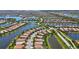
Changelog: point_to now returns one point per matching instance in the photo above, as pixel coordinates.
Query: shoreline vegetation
(46, 27)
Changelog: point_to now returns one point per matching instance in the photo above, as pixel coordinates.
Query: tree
(11, 19)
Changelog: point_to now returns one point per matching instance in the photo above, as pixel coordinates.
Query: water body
(54, 43)
(74, 36)
(16, 17)
(5, 25)
(70, 15)
(4, 41)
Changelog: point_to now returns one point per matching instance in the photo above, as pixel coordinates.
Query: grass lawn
(64, 46)
(46, 43)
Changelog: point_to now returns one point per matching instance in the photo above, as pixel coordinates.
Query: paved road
(69, 40)
(64, 40)
(30, 41)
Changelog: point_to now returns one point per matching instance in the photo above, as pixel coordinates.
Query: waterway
(7, 24)
(54, 43)
(16, 17)
(5, 40)
(73, 35)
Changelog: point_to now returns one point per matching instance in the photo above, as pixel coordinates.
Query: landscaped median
(68, 39)
(64, 46)
(64, 40)
(60, 41)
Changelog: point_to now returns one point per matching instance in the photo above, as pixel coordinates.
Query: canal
(73, 35)
(54, 42)
(5, 40)
(7, 24)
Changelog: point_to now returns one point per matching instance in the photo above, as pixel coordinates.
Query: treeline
(11, 19)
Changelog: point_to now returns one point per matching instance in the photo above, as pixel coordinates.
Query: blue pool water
(4, 41)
